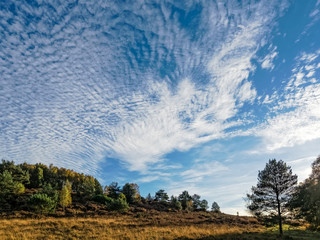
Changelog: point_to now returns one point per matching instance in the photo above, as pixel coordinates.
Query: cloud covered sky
(180, 95)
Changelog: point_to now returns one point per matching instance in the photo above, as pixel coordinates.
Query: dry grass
(102, 229)
(137, 226)
(146, 225)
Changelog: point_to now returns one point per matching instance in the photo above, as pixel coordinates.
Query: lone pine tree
(273, 191)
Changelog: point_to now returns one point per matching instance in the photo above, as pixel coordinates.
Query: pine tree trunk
(279, 215)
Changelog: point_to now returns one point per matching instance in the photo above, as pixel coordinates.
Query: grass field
(145, 226)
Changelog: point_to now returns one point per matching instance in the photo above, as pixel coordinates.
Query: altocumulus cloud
(85, 81)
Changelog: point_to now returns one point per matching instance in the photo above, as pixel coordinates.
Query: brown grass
(135, 226)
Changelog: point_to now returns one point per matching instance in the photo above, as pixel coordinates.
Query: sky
(174, 95)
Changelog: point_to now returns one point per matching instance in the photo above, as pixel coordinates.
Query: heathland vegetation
(38, 201)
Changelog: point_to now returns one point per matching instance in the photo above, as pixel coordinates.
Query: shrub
(100, 198)
(119, 204)
(175, 203)
(41, 203)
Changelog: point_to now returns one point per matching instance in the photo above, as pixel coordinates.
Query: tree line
(42, 189)
(278, 197)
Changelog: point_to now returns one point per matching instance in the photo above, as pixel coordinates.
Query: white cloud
(297, 118)
(125, 89)
(147, 179)
(314, 13)
(267, 62)
(199, 170)
(302, 167)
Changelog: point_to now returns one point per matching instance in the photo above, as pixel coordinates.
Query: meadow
(146, 225)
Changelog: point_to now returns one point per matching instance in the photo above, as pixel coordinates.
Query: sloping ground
(147, 225)
(140, 223)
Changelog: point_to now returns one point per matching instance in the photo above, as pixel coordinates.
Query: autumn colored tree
(65, 195)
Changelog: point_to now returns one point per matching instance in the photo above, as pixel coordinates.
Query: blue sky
(179, 95)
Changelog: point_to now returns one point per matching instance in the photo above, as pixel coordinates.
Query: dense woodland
(41, 189)
(44, 190)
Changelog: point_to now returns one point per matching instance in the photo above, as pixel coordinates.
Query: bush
(118, 205)
(175, 203)
(100, 198)
(41, 203)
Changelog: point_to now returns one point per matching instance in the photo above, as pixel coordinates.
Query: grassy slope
(144, 225)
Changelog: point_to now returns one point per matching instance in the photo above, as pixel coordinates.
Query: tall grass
(108, 228)
(143, 227)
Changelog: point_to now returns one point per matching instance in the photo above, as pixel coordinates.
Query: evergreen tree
(41, 203)
(16, 171)
(306, 200)
(149, 198)
(6, 190)
(175, 203)
(113, 190)
(98, 187)
(36, 178)
(161, 196)
(196, 201)
(50, 192)
(273, 192)
(215, 207)
(184, 198)
(203, 206)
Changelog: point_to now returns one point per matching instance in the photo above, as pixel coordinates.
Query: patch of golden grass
(112, 227)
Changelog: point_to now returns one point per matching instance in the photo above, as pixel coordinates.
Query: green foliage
(18, 188)
(149, 198)
(196, 201)
(65, 195)
(6, 190)
(9, 190)
(131, 191)
(161, 196)
(215, 207)
(98, 188)
(184, 198)
(41, 203)
(175, 203)
(6, 183)
(50, 191)
(120, 204)
(113, 190)
(36, 178)
(87, 187)
(17, 173)
(100, 198)
(203, 205)
(306, 200)
(275, 187)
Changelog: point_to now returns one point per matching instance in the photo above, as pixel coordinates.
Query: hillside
(146, 224)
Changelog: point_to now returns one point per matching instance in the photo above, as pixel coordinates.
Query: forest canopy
(44, 189)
